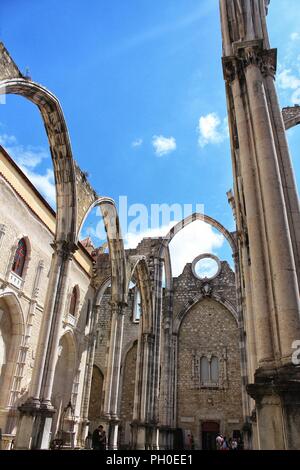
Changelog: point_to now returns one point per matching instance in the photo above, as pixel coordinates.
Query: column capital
(64, 248)
(246, 54)
(117, 307)
(284, 381)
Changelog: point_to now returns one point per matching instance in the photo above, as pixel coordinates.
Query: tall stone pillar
(268, 226)
(37, 412)
(112, 383)
(88, 376)
(142, 423)
(168, 382)
(155, 397)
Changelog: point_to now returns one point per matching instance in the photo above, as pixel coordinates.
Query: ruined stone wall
(207, 329)
(17, 220)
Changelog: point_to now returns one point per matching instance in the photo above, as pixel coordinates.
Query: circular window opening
(206, 267)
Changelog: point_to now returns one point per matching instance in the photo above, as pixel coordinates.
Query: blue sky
(140, 83)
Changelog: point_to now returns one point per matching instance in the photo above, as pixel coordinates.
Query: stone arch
(291, 116)
(64, 376)
(141, 271)
(164, 247)
(115, 246)
(101, 290)
(190, 304)
(95, 400)
(10, 304)
(60, 148)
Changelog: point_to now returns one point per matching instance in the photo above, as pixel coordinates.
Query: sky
(141, 87)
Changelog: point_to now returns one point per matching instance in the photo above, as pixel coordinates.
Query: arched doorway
(11, 334)
(94, 414)
(209, 432)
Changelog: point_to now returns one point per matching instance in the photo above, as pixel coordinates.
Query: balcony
(15, 280)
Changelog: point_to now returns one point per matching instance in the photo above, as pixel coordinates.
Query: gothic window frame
(207, 381)
(20, 258)
(137, 305)
(74, 302)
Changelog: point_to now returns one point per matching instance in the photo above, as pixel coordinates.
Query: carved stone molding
(249, 53)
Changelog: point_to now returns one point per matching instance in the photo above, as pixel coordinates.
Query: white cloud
(28, 158)
(287, 80)
(191, 241)
(137, 143)
(44, 183)
(295, 98)
(295, 36)
(212, 130)
(163, 145)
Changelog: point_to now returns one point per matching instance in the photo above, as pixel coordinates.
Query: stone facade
(170, 356)
(206, 328)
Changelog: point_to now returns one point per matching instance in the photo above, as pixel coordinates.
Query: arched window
(19, 259)
(73, 302)
(214, 369)
(209, 371)
(137, 310)
(204, 370)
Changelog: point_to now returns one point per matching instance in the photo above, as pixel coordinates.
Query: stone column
(88, 375)
(113, 374)
(142, 424)
(36, 413)
(155, 373)
(266, 195)
(167, 374)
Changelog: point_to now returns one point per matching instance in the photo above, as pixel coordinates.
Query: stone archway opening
(11, 337)
(95, 405)
(63, 383)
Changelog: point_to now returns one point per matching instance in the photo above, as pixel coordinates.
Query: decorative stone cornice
(246, 54)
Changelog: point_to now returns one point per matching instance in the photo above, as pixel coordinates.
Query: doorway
(209, 430)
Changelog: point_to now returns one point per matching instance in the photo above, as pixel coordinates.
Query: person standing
(96, 438)
(234, 444)
(219, 441)
(103, 440)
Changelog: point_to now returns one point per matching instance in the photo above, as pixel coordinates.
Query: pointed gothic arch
(60, 148)
(141, 272)
(11, 309)
(164, 247)
(115, 246)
